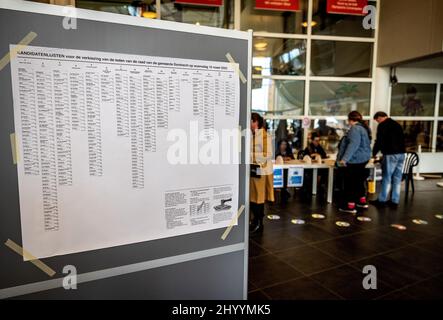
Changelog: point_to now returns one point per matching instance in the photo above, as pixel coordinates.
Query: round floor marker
(439, 216)
(318, 216)
(273, 217)
(298, 221)
(364, 219)
(398, 227)
(343, 224)
(420, 222)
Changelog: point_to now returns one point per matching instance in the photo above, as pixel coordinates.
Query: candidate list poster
(93, 133)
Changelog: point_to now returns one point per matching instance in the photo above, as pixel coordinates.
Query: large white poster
(113, 148)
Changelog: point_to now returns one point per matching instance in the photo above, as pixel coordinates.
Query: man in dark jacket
(315, 147)
(391, 143)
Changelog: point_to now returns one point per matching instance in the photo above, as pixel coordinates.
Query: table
(315, 167)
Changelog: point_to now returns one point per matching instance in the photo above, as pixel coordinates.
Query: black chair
(411, 161)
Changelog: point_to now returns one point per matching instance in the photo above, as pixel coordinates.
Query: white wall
(430, 162)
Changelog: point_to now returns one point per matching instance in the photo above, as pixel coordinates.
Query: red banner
(209, 3)
(354, 7)
(278, 5)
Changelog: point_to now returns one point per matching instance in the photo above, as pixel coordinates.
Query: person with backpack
(353, 156)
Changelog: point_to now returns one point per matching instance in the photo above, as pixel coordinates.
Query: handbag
(255, 171)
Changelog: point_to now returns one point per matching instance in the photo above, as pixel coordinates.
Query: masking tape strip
(236, 67)
(28, 256)
(14, 149)
(233, 221)
(20, 46)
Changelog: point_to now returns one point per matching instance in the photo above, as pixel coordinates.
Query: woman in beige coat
(261, 185)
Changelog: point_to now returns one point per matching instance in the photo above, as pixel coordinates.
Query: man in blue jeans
(391, 142)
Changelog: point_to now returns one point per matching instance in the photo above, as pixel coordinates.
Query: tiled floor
(320, 261)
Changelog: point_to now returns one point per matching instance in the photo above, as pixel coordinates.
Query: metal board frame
(189, 255)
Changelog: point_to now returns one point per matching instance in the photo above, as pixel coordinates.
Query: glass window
(418, 133)
(341, 58)
(273, 21)
(339, 98)
(440, 137)
(330, 131)
(275, 56)
(337, 24)
(220, 17)
(413, 100)
(287, 129)
(278, 96)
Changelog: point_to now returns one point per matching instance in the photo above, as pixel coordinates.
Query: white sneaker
(347, 210)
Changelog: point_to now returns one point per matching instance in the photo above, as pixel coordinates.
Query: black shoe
(252, 225)
(256, 228)
(392, 205)
(378, 204)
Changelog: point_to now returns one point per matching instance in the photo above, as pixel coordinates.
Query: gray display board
(195, 266)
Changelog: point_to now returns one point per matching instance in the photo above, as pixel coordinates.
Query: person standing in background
(354, 154)
(391, 142)
(281, 133)
(411, 104)
(261, 185)
(284, 152)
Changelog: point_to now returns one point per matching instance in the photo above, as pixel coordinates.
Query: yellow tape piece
(236, 67)
(28, 256)
(20, 46)
(14, 149)
(233, 221)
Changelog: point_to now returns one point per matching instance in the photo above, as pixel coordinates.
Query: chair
(411, 161)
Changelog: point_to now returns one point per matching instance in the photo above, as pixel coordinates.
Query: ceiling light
(260, 45)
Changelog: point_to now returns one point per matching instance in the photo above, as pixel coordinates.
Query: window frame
(309, 37)
(436, 118)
